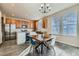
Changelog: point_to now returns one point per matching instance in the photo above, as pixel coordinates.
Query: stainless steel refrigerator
(10, 32)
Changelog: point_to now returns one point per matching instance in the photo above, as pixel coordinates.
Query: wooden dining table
(42, 43)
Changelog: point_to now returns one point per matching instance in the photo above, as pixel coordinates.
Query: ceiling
(30, 10)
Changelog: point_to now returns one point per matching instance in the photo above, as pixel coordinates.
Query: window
(55, 25)
(39, 24)
(69, 24)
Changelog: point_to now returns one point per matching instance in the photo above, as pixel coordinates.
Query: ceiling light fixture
(45, 8)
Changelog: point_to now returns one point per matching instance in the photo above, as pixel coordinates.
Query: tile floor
(60, 50)
(10, 48)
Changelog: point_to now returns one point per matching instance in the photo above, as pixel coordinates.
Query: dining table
(41, 39)
(43, 42)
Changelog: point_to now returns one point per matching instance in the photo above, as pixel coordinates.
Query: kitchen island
(21, 37)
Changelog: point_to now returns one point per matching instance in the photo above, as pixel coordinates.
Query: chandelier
(45, 8)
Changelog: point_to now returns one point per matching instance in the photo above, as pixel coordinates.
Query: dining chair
(52, 43)
(35, 42)
(32, 43)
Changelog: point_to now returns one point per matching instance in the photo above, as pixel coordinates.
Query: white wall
(0, 30)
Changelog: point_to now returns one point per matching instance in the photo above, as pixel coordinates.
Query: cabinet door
(18, 23)
(21, 38)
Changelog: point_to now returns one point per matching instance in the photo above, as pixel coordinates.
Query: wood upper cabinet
(44, 22)
(13, 21)
(8, 21)
(29, 24)
(19, 23)
(35, 24)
